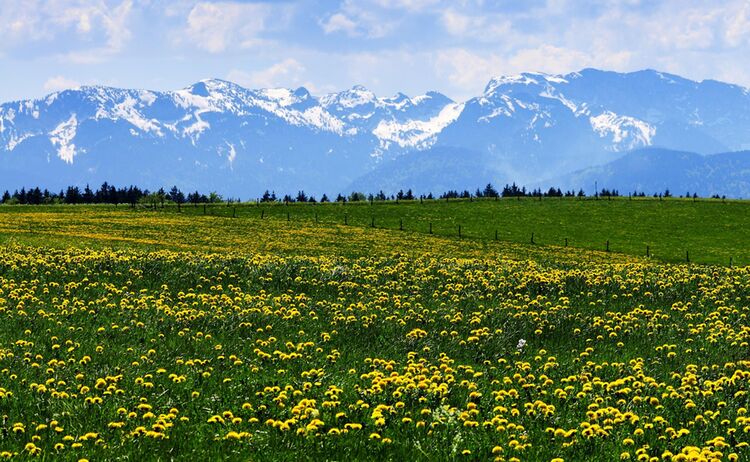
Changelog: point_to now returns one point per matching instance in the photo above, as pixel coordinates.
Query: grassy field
(710, 231)
(158, 335)
(706, 231)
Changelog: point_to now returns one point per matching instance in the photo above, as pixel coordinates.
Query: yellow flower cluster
(135, 353)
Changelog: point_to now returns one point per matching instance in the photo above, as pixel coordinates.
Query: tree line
(132, 195)
(106, 194)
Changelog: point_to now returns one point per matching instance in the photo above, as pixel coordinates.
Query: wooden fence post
(607, 245)
(532, 238)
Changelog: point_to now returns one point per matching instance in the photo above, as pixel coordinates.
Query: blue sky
(387, 45)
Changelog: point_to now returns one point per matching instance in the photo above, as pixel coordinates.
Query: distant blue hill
(654, 170)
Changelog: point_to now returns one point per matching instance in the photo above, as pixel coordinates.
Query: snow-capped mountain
(218, 135)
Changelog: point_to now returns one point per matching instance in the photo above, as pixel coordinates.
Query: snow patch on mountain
(10, 115)
(62, 138)
(281, 96)
(507, 109)
(148, 98)
(551, 93)
(349, 99)
(321, 119)
(516, 79)
(665, 77)
(419, 134)
(126, 110)
(626, 132)
(194, 130)
(398, 102)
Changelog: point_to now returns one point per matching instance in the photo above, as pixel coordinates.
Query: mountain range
(567, 130)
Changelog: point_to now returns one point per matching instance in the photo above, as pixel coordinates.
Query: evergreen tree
(73, 195)
(175, 195)
(490, 191)
(88, 195)
(357, 197)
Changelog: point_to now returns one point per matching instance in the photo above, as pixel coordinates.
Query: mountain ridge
(215, 134)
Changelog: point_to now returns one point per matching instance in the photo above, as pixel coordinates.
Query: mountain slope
(653, 170)
(218, 135)
(439, 169)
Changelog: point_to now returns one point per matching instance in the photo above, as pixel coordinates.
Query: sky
(389, 46)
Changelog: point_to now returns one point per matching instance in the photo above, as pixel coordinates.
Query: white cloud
(737, 30)
(339, 22)
(29, 21)
(360, 19)
(115, 26)
(286, 73)
(60, 82)
(454, 46)
(466, 70)
(215, 27)
(553, 59)
(481, 27)
(410, 5)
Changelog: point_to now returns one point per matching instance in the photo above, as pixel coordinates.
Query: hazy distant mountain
(217, 135)
(653, 170)
(438, 169)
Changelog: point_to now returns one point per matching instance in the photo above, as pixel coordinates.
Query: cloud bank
(387, 45)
